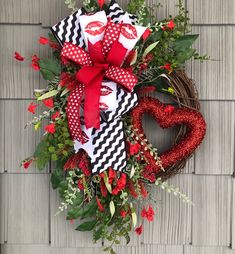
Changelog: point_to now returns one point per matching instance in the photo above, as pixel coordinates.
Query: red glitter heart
(193, 120)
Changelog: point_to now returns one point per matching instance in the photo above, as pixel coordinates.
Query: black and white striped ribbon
(69, 29)
(125, 102)
(109, 147)
(115, 12)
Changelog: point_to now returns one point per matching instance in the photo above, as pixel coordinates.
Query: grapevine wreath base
(104, 62)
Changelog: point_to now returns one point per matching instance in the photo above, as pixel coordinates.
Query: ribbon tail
(109, 147)
(92, 103)
(73, 113)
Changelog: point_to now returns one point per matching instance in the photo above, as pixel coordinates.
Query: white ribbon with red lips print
(93, 28)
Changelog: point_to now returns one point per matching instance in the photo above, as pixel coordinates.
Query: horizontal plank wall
(27, 201)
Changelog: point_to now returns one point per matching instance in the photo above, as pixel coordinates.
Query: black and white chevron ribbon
(125, 102)
(69, 29)
(108, 141)
(109, 147)
(115, 12)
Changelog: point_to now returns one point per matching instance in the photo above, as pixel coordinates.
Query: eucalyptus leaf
(107, 184)
(65, 91)
(134, 218)
(150, 48)
(112, 208)
(48, 95)
(134, 58)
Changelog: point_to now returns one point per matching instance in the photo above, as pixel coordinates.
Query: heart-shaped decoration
(193, 120)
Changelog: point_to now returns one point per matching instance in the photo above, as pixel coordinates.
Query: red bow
(103, 60)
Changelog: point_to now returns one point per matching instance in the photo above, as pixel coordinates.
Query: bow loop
(76, 54)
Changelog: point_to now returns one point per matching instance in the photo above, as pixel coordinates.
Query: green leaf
(51, 64)
(48, 95)
(79, 199)
(185, 42)
(37, 126)
(97, 234)
(62, 188)
(87, 211)
(47, 75)
(73, 214)
(87, 226)
(56, 178)
(150, 48)
(51, 149)
(41, 154)
(112, 208)
(54, 157)
(41, 148)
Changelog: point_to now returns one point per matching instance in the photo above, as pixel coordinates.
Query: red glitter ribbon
(103, 60)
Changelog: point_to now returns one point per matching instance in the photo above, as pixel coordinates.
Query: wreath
(105, 64)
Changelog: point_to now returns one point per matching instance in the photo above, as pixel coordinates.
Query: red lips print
(129, 31)
(95, 28)
(103, 106)
(105, 90)
(85, 137)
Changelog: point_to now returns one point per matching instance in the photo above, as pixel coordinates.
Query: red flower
(169, 109)
(80, 184)
(143, 191)
(43, 40)
(64, 61)
(50, 128)
(123, 213)
(32, 107)
(27, 163)
(103, 188)
(130, 57)
(146, 34)
(54, 45)
(100, 206)
(71, 163)
(18, 57)
(66, 80)
(167, 67)
(121, 183)
(48, 102)
(171, 24)
(34, 63)
(148, 214)
(149, 176)
(134, 148)
(147, 89)
(71, 85)
(55, 115)
(131, 189)
(112, 175)
(100, 3)
(84, 165)
(139, 230)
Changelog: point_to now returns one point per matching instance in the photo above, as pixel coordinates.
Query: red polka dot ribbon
(103, 61)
